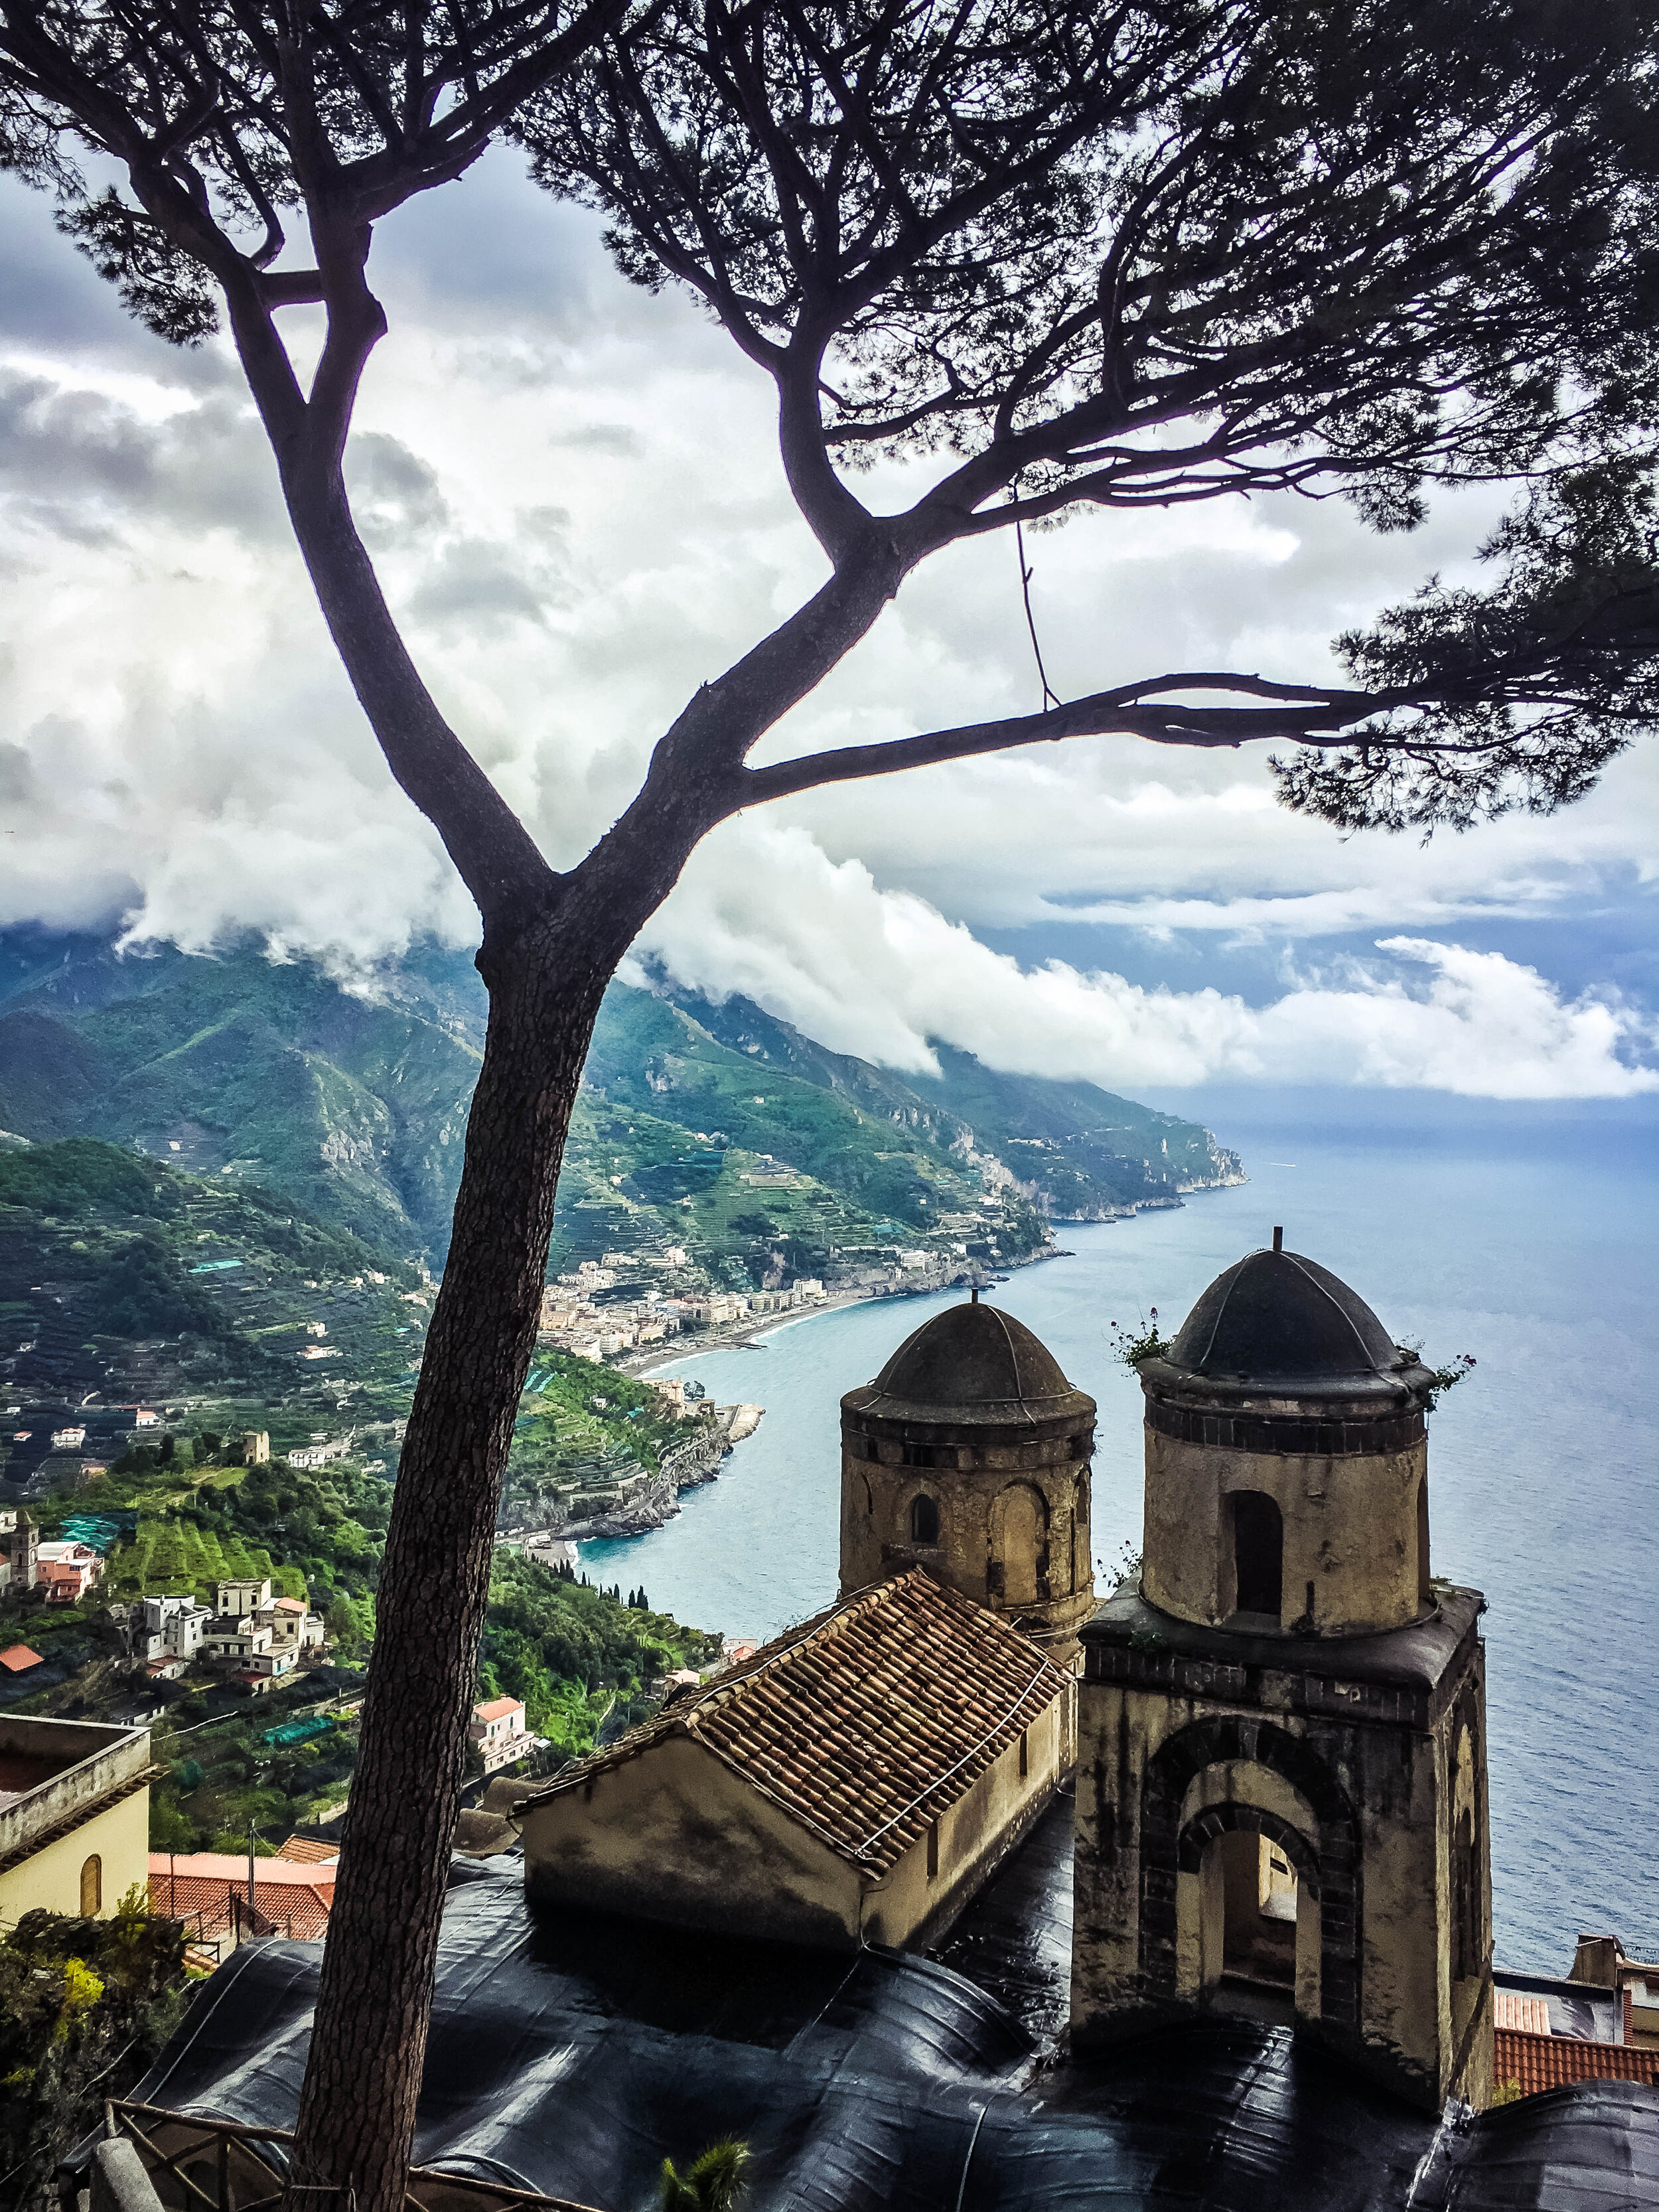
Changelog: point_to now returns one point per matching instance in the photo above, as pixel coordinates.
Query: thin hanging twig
(1050, 697)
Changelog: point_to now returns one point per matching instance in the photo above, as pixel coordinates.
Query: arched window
(1258, 1553)
(92, 1887)
(924, 1520)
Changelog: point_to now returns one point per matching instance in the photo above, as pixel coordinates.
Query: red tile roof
(866, 1723)
(1510, 2008)
(295, 1901)
(17, 1657)
(309, 1849)
(1537, 2062)
(497, 1709)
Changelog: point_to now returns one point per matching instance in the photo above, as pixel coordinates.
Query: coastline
(748, 1333)
(736, 1336)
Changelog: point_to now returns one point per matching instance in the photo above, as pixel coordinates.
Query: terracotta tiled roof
(283, 1896)
(1537, 2062)
(232, 1866)
(497, 1709)
(17, 1657)
(866, 1723)
(309, 1849)
(1512, 2009)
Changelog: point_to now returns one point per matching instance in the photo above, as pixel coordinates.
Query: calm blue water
(1530, 1243)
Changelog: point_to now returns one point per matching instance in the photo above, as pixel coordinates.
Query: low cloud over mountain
(570, 489)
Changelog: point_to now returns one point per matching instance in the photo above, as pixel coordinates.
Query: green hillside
(582, 1659)
(1081, 1152)
(126, 1283)
(273, 1077)
(219, 1309)
(653, 1058)
(269, 1074)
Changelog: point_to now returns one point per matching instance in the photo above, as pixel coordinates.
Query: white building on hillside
(173, 1629)
(236, 1599)
(497, 1733)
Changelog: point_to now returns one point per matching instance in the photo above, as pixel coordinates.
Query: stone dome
(973, 1363)
(1287, 1459)
(1281, 1319)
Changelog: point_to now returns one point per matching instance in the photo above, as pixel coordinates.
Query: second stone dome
(968, 1456)
(972, 1364)
(1279, 1318)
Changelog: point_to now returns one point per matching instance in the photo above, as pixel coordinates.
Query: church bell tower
(1282, 1764)
(969, 1455)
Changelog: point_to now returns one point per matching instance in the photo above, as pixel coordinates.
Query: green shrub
(84, 2006)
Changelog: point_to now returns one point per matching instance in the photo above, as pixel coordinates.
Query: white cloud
(762, 911)
(572, 493)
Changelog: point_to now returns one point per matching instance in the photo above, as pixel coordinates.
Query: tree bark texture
(551, 944)
(357, 2110)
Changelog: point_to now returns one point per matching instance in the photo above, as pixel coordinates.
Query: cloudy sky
(573, 496)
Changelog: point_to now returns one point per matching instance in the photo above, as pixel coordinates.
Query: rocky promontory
(635, 1499)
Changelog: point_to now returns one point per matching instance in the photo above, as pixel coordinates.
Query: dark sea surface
(1527, 1237)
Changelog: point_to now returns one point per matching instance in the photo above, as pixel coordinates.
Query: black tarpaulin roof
(572, 2058)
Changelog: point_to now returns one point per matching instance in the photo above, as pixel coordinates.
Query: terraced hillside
(1080, 1152)
(126, 1287)
(354, 1106)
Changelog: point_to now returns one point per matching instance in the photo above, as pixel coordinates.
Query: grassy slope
(1082, 1148)
(356, 1108)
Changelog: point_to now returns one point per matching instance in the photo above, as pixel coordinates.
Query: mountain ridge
(353, 1101)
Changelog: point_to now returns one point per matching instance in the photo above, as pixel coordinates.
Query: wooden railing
(219, 2165)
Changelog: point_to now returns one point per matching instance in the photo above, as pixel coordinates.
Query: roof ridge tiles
(839, 1723)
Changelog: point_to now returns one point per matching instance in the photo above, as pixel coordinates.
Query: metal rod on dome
(1278, 1240)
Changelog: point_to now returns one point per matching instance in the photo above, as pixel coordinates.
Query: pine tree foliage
(1531, 687)
(1136, 257)
(712, 2182)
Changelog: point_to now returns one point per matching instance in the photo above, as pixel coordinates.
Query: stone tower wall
(1374, 1791)
(1351, 1526)
(1013, 1517)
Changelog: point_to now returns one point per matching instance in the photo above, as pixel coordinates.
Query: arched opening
(924, 1519)
(1320, 1842)
(1250, 1896)
(92, 1887)
(1467, 1948)
(1424, 1595)
(1465, 1913)
(1258, 1553)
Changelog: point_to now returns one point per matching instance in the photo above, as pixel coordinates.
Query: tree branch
(292, 288)
(1126, 711)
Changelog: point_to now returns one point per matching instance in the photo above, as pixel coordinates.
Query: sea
(1526, 1237)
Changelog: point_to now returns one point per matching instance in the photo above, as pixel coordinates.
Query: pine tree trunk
(357, 2109)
